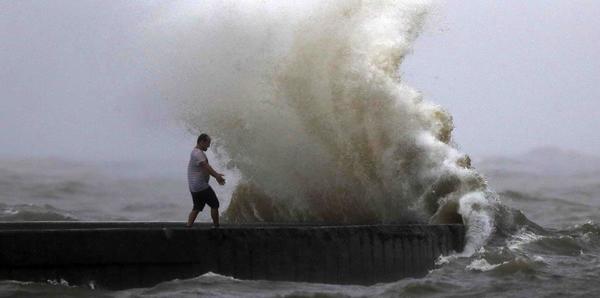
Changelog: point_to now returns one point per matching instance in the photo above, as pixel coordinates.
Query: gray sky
(514, 74)
(74, 83)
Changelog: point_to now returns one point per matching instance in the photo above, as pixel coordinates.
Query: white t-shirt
(197, 176)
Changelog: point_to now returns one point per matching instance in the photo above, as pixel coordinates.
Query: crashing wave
(308, 104)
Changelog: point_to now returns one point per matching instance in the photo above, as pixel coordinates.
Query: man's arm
(212, 172)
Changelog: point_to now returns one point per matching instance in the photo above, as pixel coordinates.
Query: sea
(313, 121)
(555, 252)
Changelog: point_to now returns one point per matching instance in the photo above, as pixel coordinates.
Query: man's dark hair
(202, 138)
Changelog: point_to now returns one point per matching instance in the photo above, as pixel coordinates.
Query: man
(199, 172)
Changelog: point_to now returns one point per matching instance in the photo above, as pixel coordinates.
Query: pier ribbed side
(124, 255)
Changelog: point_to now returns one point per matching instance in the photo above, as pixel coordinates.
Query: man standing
(199, 172)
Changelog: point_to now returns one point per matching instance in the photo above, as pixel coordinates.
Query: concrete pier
(117, 255)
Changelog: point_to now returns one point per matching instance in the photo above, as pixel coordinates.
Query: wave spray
(308, 104)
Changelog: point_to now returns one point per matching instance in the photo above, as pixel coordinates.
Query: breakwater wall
(129, 254)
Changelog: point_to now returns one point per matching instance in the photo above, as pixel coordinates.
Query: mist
(78, 79)
(75, 85)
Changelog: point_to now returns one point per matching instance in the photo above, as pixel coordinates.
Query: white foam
(523, 237)
(443, 260)
(478, 213)
(481, 265)
(60, 282)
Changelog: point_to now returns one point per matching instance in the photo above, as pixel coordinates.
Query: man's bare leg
(192, 217)
(214, 213)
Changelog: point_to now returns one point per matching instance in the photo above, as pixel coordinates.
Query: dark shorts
(207, 197)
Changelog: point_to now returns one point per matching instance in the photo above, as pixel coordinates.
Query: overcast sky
(514, 74)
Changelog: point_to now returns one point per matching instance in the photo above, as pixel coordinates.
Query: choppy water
(59, 190)
(557, 253)
(307, 105)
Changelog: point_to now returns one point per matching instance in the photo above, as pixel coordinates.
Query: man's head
(203, 142)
